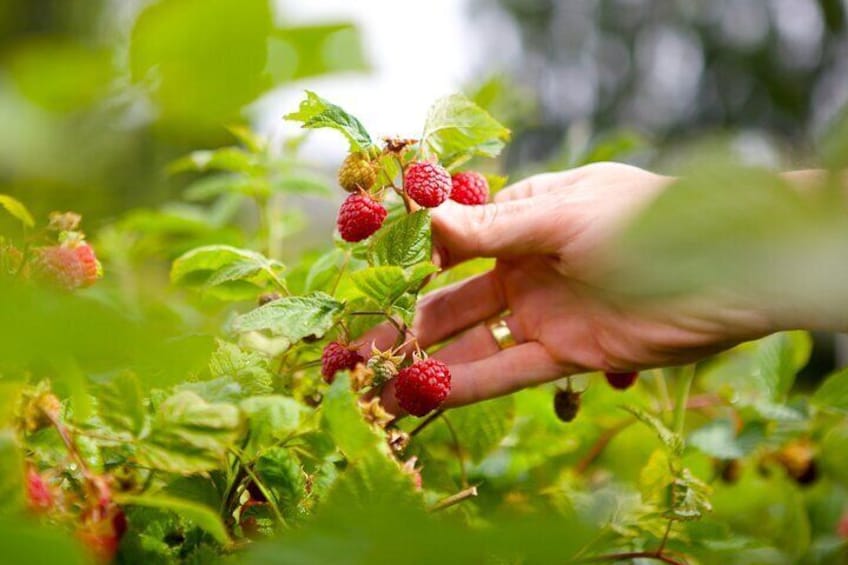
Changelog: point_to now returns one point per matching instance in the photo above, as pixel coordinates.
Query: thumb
(505, 229)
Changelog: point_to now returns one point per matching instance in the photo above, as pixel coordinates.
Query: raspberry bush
(229, 409)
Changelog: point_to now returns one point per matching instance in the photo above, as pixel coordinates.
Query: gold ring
(502, 334)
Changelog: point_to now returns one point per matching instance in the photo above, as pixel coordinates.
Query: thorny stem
(454, 499)
(685, 378)
(400, 329)
(262, 488)
(70, 445)
(459, 454)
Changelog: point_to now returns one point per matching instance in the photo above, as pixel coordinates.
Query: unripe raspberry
(359, 217)
(337, 357)
(621, 381)
(422, 386)
(428, 184)
(469, 188)
(357, 173)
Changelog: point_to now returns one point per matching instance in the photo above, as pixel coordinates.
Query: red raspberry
(469, 188)
(427, 183)
(621, 381)
(423, 386)
(337, 357)
(90, 265)
(359, 217)
(68, 267)
(39, 496)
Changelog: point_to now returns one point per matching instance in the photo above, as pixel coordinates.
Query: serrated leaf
(230, 159)
(403, 243)
(671, 440)
(481, 427)
(833, 392)
(655, 477)
(280, 472)
(457, 128)
(779, 358)
(690, 497)
(315, 112)
(17, 209)
(343, 420)
(270, 419)
(248, 368)
(386, 284)
(189, 435)
(199, 514)
(120, 402)
(240, 272)
(292, 317)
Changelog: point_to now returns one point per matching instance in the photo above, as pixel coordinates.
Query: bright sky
(418, 52)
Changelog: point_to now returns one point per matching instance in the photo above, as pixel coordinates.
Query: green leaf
(214, 185)
(120, 402)
(230, 159)
(292, 317)
(386, 284)
(17, 210)
(315, 112)
(779, 358)
(833, 392)
(344, 422)
(325, 270)
(199, 514)
(655, 478)
(238, 272)
(280, 472)
(29, 543)
(403, 243)
(481, 427)
(249, 369)
(11, 473)
(718, 439)
(189, 435)
(457, 128)
(672, 441)
(271, 419)
(301, 183)
(690, 497)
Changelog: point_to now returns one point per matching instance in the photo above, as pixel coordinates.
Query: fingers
(512, 228)
(535, 185)
(504, 372)
(476, 343)
(444, 313)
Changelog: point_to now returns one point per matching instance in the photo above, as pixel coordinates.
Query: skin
(547, 233)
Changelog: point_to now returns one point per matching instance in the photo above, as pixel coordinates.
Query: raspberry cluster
(424, 183)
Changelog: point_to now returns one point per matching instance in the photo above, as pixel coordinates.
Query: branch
(453, 499)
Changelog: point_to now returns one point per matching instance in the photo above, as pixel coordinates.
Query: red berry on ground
(337, 357)
(469, 188)
(38, 492)
(359, 217)
(422, 386)
(621, 381)
(428, 184)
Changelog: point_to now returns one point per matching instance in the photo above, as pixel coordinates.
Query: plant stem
(598, 447)
(685, 377)
(342, 270)
(453, 499)
(662, 390)
(665, 537)
(459, 454)
(427, 421)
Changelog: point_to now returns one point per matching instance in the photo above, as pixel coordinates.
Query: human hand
(549, 234)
